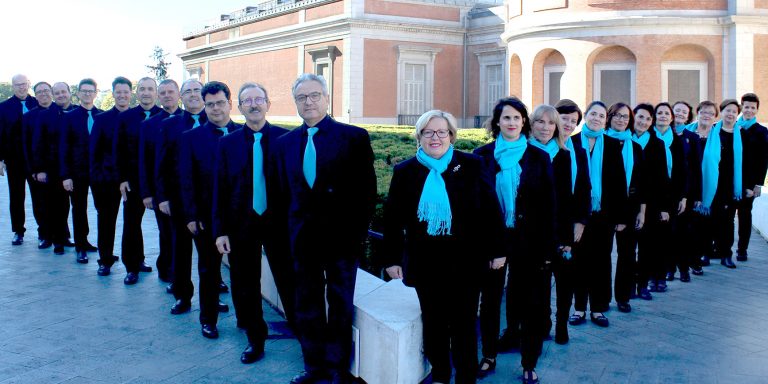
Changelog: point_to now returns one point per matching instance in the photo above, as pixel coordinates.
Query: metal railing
(407, 119)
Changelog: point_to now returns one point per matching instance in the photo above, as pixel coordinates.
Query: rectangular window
(495, 86)
(553, 76)
(684, 81)
(615, 86)
(414, 89)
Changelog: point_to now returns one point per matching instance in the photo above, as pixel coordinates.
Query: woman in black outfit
(442, 222)
(525, 190)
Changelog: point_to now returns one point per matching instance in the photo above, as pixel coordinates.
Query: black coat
(46, 139)
(665, 192)
(755, 144)
(149, 133)
(574, 204)
(101, 151)
(477, 226)
(692, 150)
(30, 125)
(11, 150)
(167, 156)
(126, 144)
(74, 144)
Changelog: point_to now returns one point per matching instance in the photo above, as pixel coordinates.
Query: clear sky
(64, 40)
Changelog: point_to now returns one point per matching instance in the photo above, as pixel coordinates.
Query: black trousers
(626, 264)
(592, 259)
(79, 199)
(165, 257)
(106, 198)
(745, 222)
(181, 263)
(449, 317)
(527, 309)
(40, 206)
(723, 217)
(564, 273)
(133, 239)
(17, 179)
(703, 240)
(656, 252)
(491, 291)
(58, 211)
(683, 254)
(209, 271)
(326, 341)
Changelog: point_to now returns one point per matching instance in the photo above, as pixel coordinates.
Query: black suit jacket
(197, 167)
(692, 151)
(30, 125)
(149, 132)
(477, 226)
(233, 188)
(574, 204)
(101, 153)
(167, 157)
(664, 192)
(46, 139)
(337, 211)
(11, 149)
(755, 155)
(126, 144)
(74, 144)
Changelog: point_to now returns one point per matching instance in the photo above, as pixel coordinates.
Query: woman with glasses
(525, 190)
(440, 203)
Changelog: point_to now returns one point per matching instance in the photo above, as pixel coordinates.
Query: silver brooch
(456, 168)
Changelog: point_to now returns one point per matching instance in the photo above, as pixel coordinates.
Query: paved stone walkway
(61, 323)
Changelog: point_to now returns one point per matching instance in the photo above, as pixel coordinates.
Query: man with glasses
(326, 189)
(126, 144)
(197, 152)
(74, 164)
(12, 151)
(45, 165)
(149, 130)
(36, 188)
(243, 222)
(103, 175)
(755, 139)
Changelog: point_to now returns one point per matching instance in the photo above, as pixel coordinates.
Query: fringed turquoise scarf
(434, 206)
(508, 155)
(627, 152)
(642, 139)
(595, 160)
(551, 147)
(572, 153)
(667, 138)
(710, 167)
(746, 124)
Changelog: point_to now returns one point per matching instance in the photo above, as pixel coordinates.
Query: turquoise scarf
(574, 166)
(642, 139)
(710, 167)
(746, 124)
(508, 155)
(551, 148)
(667, 138)
(434, 206)
(627, 152)
(690, 127)
(595, 160)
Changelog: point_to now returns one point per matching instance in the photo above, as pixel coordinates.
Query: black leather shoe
(624, 307)
(58, 249)
(131, 278)
(645, 294)
(306, 378)
(685, 277)
(18, 239)
(486, 367)
(82, 257)
(44, 244)
(705, 261)
(599, 320)
(697, 270)
(169, 288)
(577, 320)
(508, 341)
(727, 262)
(103, 270)
(528, 377)
(251, 354)
(69, 243)
(90, 248)
(670, 276)
(741, 256)
(662, 287)
(181, 306)
(340, 377)
(144, 267)
(223, 288)
(222, 307)
(210, 331)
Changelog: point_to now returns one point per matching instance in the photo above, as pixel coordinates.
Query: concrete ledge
(760, 215)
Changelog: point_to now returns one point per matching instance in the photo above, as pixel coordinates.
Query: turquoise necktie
(90, 122)
(223, 130)
(197, 121)
(310, 158)
(24, 107)
(146, 115)
(259, 183)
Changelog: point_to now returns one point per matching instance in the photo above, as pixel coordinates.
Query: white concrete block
(760, 215)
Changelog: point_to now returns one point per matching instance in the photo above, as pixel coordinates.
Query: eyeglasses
(21, 85)
(43, 92)
(621, 117)
(220, 104)
(428, 133)
(254, 101)
(87, 91)
(706, 113)
(191, 91)
(314, 96)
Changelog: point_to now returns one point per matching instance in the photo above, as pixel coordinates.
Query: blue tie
(259, 183)
(146, 115)
(24, 107)
(90, 122)
(310, 158)
(223, 130)
(197, 121)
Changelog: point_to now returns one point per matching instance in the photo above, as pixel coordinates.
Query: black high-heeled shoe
(528, 377)
(490, 365)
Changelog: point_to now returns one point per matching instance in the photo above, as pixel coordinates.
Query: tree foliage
(159, 65)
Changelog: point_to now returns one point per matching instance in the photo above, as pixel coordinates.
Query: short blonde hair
(424, 119)
(551, 112)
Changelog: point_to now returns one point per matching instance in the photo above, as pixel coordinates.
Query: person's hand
(620, 227)
(68, 185)
(757, 190)
(194, 228)
(664, 216)
(681, 206)
(165, 207)
(148, 203)
(578, 230)
(42, 177)
(222, 244)
(749, 193)
(498, 262)
(640, 220)
(124, 189)
(2, 168)
(395, 272)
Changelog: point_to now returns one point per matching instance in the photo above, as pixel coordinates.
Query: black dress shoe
(528, 377)
(599, 320)
(131, 278)
(181, 306)
(705, 261)
(210, 331)
(103, 270)
(670, 276)
(696, 270)
(44, 244)
(624, 307)
(58, 249)
(340, 377)
(306, 378)
(223, 288)
(169, 288)
(577, 319)
(222, 307)
(69, 243)
(685, 277)
(486, 367)
(661, 287)
(508, 341)
(90, 248)
(727, 262)
(251, 354)
(18, 239)
(645, 294)
(741, 256)
(82, 257)
(144, 267)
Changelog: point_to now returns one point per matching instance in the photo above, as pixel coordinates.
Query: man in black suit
(755, 152)
(12, 153)
(37, 190)
(44, 165)
(126, 144)
(326, 190)
(74, 167)
(197, 155)
(149, 130)
(168, 193)
(242, 222)
(103, 175)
